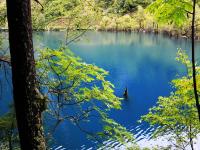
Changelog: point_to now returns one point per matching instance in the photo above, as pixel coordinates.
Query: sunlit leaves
(114, 130)
(171, 11)
(3, 14)
(87, 81)
(71, 15)
(122, 6)
(176, 115)
(72, 84)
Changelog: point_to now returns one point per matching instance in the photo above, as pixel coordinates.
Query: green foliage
(3, 14)
(140, 17)
(80, 14)
(114, 22)
(5, 122)
(176, 115)
(171, 11)
(78, 73)
(113, 130)
(59, 8)
(38, 16)
(122, 6)
(8, 133)
(137, 20)
(71, 83)
(67, 14)
(1, 41)
(90, 14)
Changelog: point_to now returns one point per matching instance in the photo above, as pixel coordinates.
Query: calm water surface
(144, 63)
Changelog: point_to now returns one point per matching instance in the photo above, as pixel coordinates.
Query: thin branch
(193, 60)
(5, 60)
(37, 1)
(191, 13)
(78, 36)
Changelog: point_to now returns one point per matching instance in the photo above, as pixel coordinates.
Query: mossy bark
(28, 112)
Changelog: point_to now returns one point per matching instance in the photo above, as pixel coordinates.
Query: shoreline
(170, 34)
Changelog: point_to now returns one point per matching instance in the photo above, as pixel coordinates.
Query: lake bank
(170, 34)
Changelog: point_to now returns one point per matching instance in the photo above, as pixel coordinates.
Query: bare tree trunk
(193, 59)
(190, 136)
(28, 112)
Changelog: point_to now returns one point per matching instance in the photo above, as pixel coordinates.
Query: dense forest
(52, 85)
(116, 15)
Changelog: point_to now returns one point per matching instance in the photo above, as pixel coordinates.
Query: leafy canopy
(71, 84)
(171, 11)
(176, 115)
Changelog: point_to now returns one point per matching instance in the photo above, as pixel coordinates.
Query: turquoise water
(144, 63)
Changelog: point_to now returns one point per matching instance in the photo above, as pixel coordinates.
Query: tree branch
(5, 60)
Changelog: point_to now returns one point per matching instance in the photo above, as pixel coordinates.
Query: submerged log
(126, 93)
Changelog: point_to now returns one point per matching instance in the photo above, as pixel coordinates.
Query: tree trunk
(27, 108)
(190, 136)
(193, 60)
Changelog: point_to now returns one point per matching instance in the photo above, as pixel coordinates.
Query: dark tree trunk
(27, 108)
(193, 60)
(190, 136)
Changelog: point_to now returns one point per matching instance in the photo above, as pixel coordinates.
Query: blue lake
(144, 63)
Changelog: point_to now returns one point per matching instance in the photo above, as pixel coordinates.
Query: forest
(99, 74)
